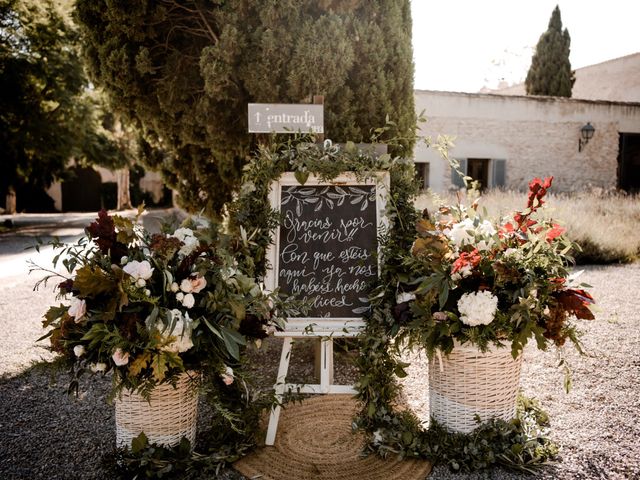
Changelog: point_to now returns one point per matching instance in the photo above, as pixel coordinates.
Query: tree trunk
(124, 197)
(10, 201)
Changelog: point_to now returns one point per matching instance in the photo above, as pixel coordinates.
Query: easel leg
(326, 364)
(279, 388)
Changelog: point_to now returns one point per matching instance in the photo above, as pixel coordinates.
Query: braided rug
(315, 441)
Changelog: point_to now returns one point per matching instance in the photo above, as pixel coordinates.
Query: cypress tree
(185, 71)
(550, 72)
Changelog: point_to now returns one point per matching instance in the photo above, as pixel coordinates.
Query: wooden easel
(326, 386)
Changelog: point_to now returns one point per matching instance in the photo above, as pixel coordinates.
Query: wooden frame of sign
(325, 251)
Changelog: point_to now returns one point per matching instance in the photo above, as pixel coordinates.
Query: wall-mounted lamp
(586, 133)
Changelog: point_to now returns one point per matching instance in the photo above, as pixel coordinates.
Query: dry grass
(605, 225)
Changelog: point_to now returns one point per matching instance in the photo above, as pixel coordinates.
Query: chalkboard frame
(323, 326)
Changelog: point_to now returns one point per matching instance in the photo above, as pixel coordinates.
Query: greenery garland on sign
(326, 160)
(520, 444)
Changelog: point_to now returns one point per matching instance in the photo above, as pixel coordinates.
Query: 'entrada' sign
(285, 118)
(326, 248)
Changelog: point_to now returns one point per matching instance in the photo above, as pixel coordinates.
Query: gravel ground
(44, 434)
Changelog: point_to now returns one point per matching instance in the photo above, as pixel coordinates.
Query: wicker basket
(168, 415)
(467, 383)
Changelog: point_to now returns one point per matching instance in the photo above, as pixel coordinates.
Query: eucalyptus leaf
(301, 177)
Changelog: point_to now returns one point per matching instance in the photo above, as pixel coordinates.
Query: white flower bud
(120, 358)
(124, 260)
(79, 350)
(141, 282)
(227, 376)
(175, 287)
(179, 296)
(98, 367)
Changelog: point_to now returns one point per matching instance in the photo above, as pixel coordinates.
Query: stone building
(504, 138)
(505, 141)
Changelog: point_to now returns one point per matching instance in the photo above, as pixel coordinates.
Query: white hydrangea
(477, 308)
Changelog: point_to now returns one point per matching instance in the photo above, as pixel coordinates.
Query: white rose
(174, 287)
(477, 308)
(79, 350)
(77, 309)
(179, 296)
(139, 270)
(185, 286)
(120, 358)
(188, 301)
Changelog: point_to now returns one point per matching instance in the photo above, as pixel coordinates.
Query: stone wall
(536, 136)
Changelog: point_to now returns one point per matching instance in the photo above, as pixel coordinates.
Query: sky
(465, 45)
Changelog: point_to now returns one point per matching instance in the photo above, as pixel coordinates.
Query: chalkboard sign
(325, 250)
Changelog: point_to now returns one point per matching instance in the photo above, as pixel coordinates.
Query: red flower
(554, 232)
(537, 190)
(466, 258)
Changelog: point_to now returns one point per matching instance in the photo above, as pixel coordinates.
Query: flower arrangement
(489, 283)
(149, 307)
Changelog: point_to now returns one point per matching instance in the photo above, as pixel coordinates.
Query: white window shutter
(498, 173)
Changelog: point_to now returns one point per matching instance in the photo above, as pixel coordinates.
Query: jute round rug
(315, 441)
